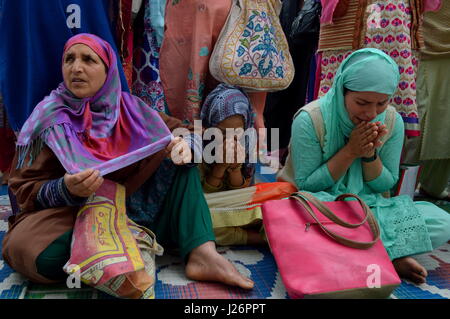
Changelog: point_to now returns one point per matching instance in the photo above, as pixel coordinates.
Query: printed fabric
(55, 194)
(387, 29)
(146, 79)
(191, 31)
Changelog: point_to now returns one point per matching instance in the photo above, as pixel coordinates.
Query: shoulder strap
(306, 200)
(390, 122)
(314, 112)
(286, 174)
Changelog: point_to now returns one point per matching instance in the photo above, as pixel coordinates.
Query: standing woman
(433, 98)
(191, 31)
(357, 154)
(391, 26)
(88, 121)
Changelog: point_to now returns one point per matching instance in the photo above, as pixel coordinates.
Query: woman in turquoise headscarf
(357, 150)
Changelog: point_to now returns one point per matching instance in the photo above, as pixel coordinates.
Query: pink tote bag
(328, 249)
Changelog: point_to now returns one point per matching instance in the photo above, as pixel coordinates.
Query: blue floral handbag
(252, 51)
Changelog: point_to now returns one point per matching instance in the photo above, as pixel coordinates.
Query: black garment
(289, 11)
(281, 106)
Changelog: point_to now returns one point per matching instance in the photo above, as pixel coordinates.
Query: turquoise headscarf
(365, 70)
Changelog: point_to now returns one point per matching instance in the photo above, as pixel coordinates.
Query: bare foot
(206, 264)
(409, 268)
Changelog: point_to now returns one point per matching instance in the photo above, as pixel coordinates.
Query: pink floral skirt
(387, 29)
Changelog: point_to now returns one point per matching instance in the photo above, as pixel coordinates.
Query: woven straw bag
(252, 51)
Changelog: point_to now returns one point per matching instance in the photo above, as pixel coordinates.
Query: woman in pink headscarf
(88, 130)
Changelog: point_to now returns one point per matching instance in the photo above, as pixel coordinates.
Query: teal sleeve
(390, 157)
(310, 171)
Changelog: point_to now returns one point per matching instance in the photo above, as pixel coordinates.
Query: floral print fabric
(387, 28)
(146, 80)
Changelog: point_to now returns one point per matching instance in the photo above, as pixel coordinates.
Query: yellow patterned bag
(252, 51)
(109, 251)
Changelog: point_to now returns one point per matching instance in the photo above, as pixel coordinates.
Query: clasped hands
(232, 154)
(365, 139)
(229, 157)
(87, 182)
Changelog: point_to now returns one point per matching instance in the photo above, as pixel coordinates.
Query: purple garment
(108, 131)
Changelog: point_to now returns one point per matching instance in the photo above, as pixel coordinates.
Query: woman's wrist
(235, 176)
(347, 151)
(372, 168)
(372, 156)
(234, 172)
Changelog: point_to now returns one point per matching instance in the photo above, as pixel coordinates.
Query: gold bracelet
(239, 186)
(217, 177)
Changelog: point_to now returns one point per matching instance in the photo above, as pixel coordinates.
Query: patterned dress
(146, 80)
(387, 25)
(191, 31)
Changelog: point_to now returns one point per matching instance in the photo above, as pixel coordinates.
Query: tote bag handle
(306, 199)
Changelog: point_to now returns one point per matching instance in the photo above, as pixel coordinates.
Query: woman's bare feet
(206, 264)
(409, 268)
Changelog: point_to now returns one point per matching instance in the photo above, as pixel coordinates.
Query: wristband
(370, 159)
